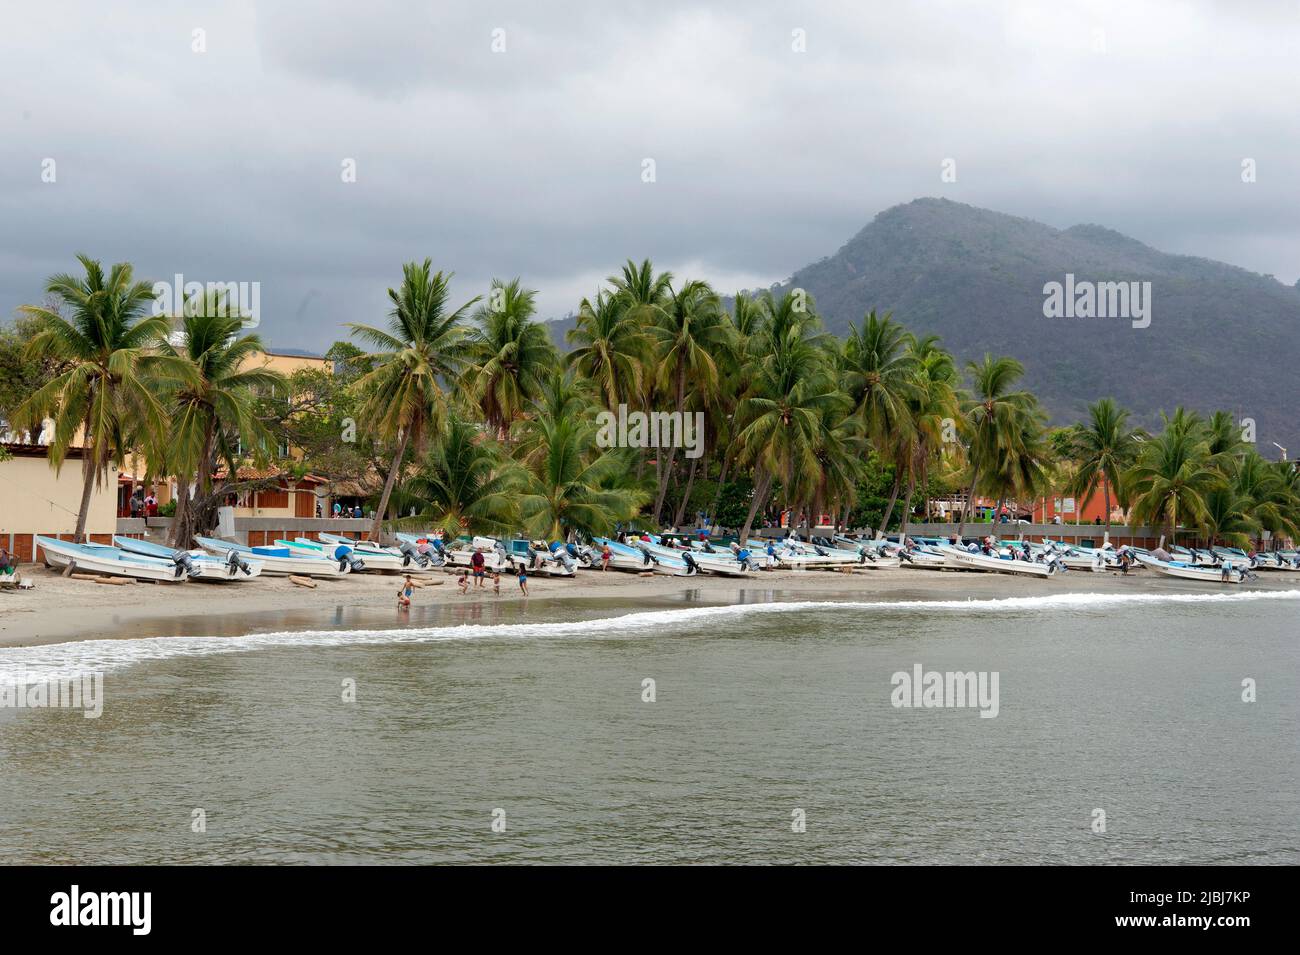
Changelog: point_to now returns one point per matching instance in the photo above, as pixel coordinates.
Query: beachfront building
(35, 499)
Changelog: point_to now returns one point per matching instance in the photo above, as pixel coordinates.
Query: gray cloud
(226, 164)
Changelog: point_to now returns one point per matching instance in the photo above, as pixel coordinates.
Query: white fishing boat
(373, 558)
(722, 561)
(959, 559)
(1277, 562)
(793, 556)
(108, 560)
(408, 554)
(340, 553)
(277, 561)
(460, 553)
(923, 558)
(198, 564)
(538, 559)
(1226, 574)
(640, 556)
(1091, 559)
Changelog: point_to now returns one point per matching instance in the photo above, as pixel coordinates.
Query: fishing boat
(959, 559)
(537, 558)
(714, 560)
(340, 553)
(642, 557)
(1073, 557)
(795, 556)
(371, 557)
(278, 561)
(198, 564)
(1226, 574)
(872, 554)
(408, 554)
(1278, 561)
(1235, 555)
(109, 560)
(460, 553)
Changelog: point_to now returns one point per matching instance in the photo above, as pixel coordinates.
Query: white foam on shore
(61, 660)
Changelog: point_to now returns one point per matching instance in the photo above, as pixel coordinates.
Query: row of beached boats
(335, 555)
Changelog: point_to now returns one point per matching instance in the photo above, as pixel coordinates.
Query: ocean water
(527, 735)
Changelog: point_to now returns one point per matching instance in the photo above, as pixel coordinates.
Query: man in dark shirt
(478, 562)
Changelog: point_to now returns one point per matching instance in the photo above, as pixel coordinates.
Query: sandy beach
(60, 609)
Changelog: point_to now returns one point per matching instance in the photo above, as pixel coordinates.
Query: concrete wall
(256, 531)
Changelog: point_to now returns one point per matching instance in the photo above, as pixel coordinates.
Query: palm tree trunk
(1107, 496)
(760, 492)
(89, 467)
(672, 451)
(970, 503)
(925, 490)
(889, 509)
(377, 528)
(182, 509)
(686, 495)
(907, 507)
(722, 480)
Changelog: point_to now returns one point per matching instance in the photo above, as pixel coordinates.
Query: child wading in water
(404, 595)
(496, 583)
(463, 582)
(523, 580)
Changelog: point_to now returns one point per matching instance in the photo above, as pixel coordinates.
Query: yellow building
(34, 499)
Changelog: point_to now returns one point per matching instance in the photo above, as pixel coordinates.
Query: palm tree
(1103, 450)
(572, 486)
(996, 420)
(690, 337)
(423, 345)
(466, 484)
(212, 403)
(932, 411)
(511, 353)
(642, 295)
(1227, 517)
(791, 395)
(610, 348)
(879, 374)
(1173, 474)
(1266, 486)
(106, 346)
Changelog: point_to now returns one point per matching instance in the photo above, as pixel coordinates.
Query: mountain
(1219, 337)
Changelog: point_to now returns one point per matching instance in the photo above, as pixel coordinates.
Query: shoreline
(63, 610)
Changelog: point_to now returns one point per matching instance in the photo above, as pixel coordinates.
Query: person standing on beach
(478, 563)
(496, 583)
(606, 555)
(523, 579)
(404, 595)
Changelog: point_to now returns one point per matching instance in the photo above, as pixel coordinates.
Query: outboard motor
(184, 564)
(347, 559)
(411, 555)
(236, 562)
(563, 557)
(690, 563)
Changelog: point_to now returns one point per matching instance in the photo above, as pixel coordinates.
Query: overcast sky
(227, 164)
